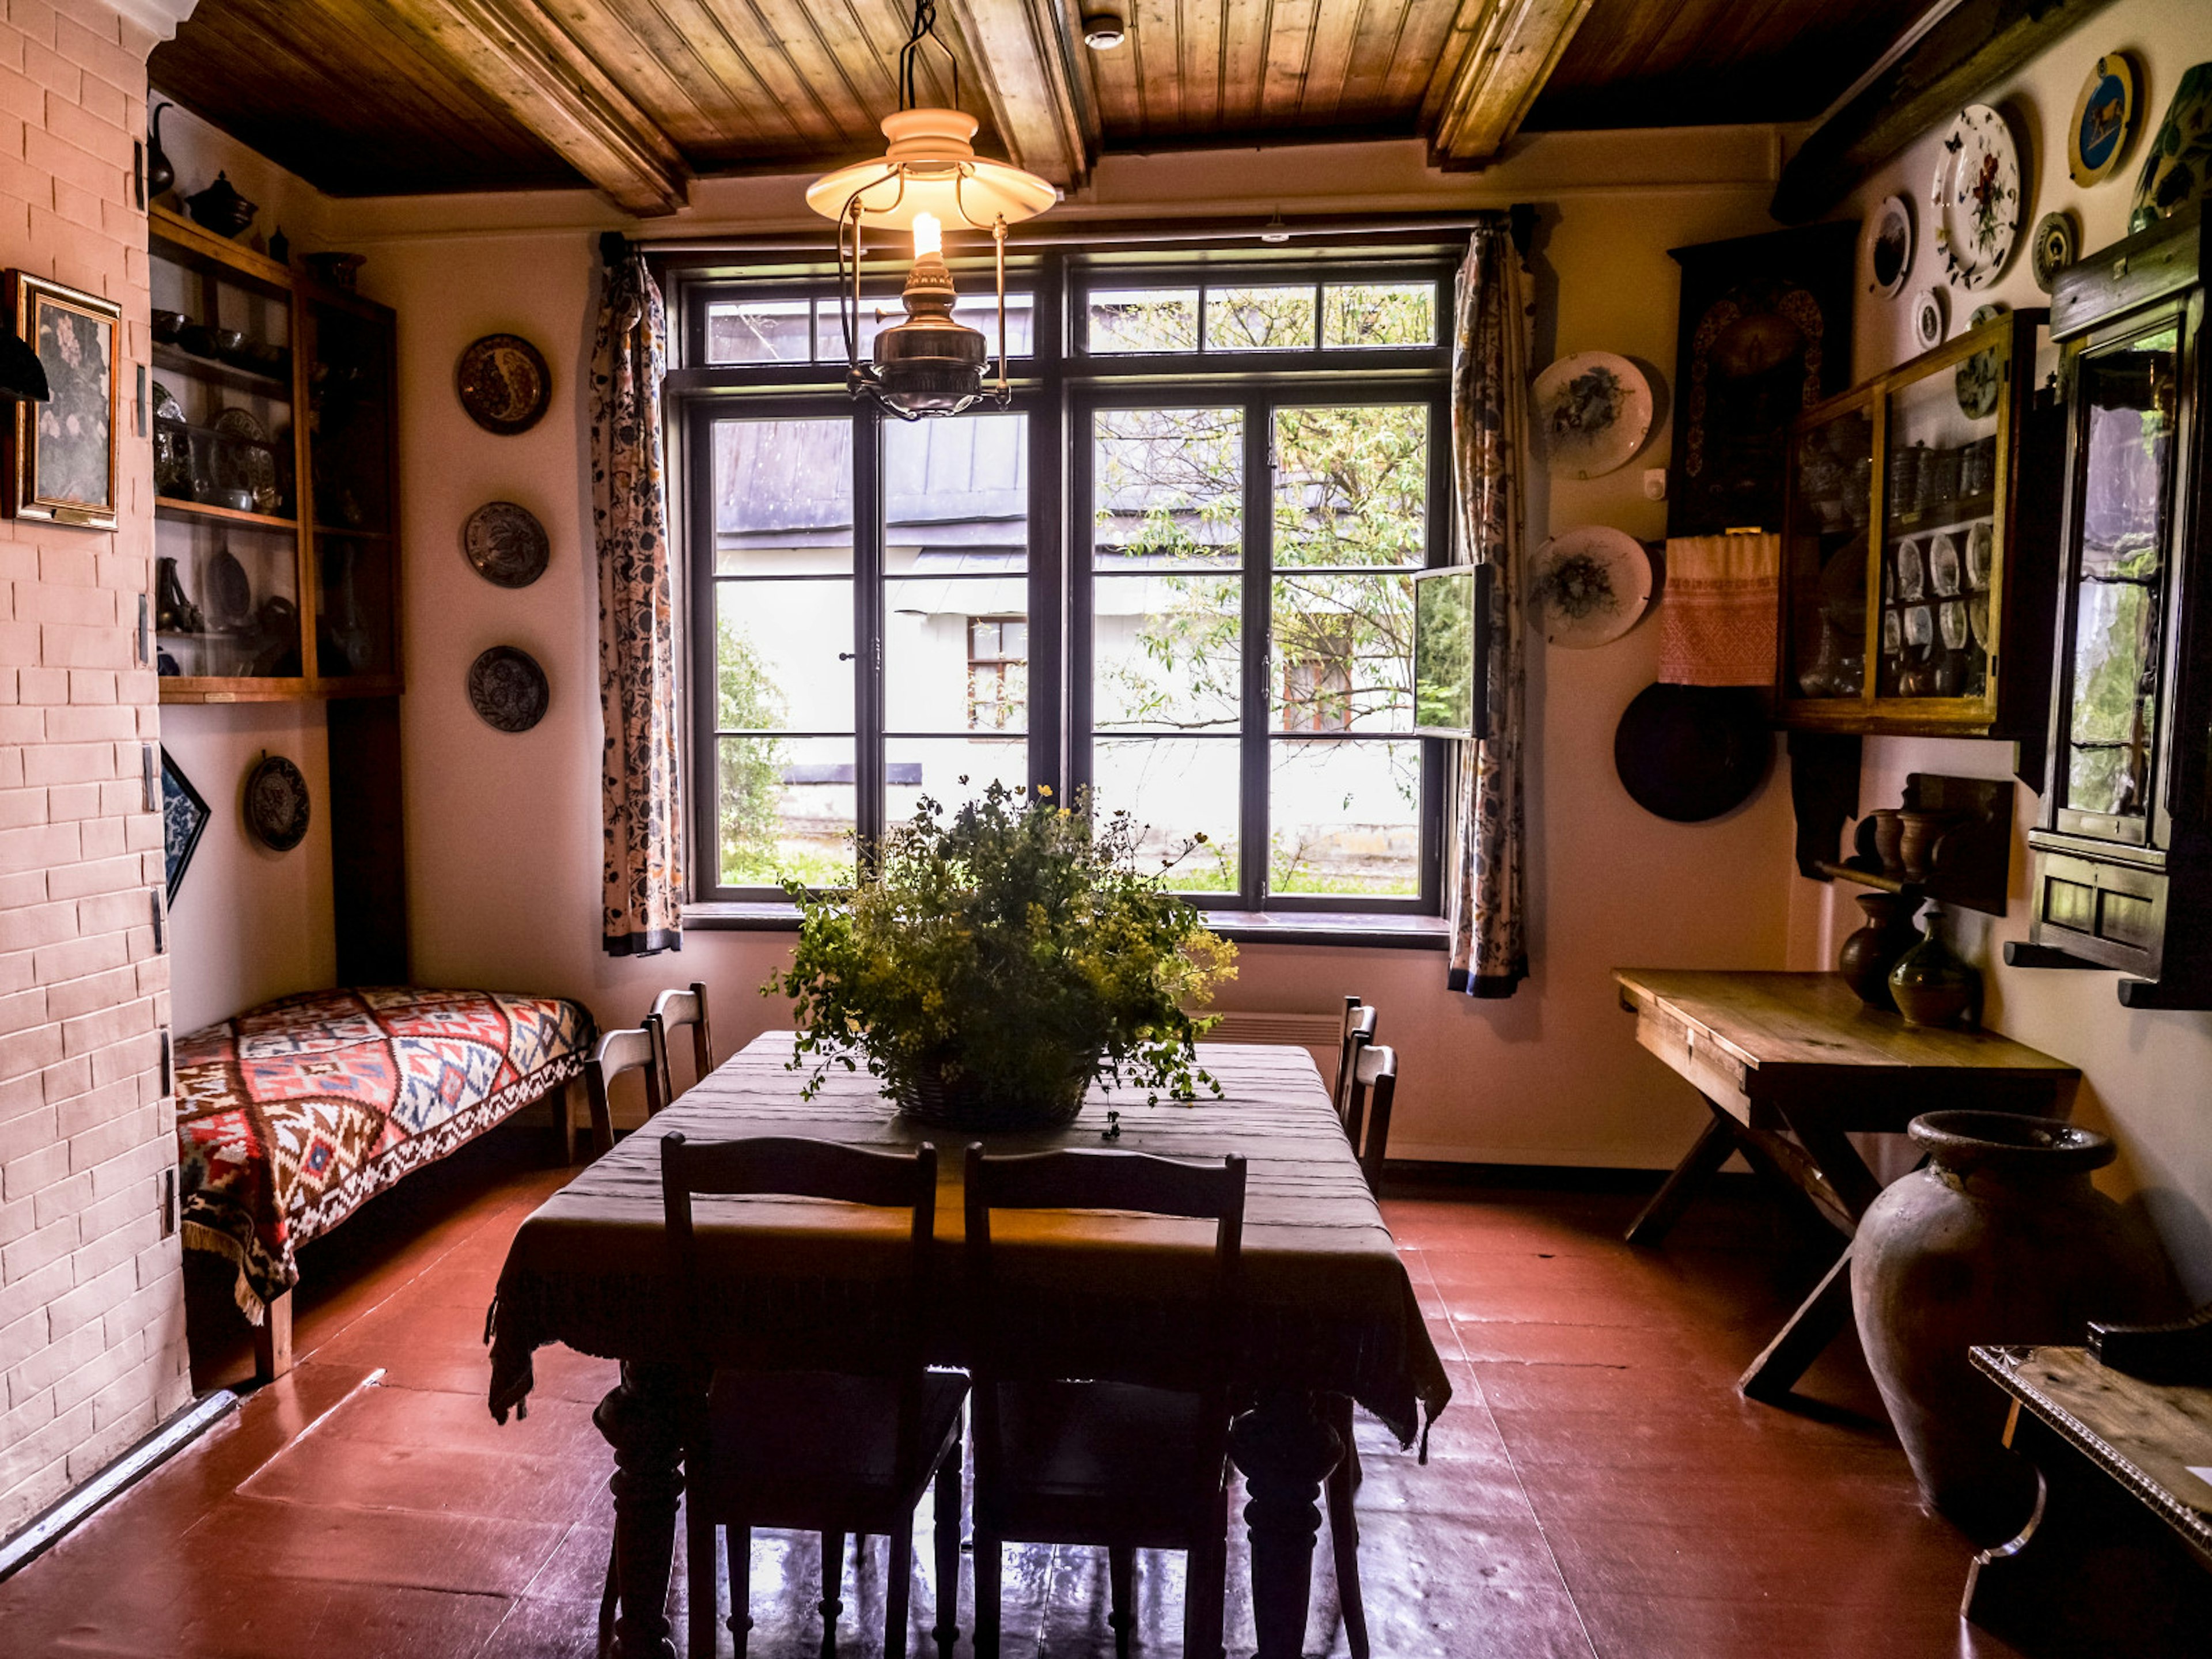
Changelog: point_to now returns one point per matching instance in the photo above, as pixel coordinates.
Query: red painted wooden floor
(1596, 1488)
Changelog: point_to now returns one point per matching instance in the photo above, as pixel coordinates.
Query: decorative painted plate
(2103, 119)
(504, 383)
(1928, 319)
(1591, 584)
(2178, 166)
(2054, 247)
(246, 462)
(1594, 410)
(1889, 247)
(166, 406)
(508, 690)
(184, 819)
(505, 544)
(277, 809)
(229, 593)
(1977, 380)
(1975, 197)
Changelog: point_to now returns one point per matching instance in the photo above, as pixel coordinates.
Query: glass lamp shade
(930, 166)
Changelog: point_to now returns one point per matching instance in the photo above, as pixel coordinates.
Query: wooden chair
(815, 1451)
(1068, 1462)
(672, 1009)
(1367, 1116)
(1359, 1030)
(634, 1049)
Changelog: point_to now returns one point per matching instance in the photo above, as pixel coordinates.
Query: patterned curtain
(1490, 444)
(639, 788)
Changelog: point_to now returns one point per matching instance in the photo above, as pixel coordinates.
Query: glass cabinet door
(350, 451)
(1940, 553)
(1824, 555)
(2117, 583)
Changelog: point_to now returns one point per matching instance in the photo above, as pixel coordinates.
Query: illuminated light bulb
(928, 235)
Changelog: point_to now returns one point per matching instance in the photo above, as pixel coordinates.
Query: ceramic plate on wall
(1927, 319)
(505, 544)
(2054, 247)
(1975, 197)
(1594, 411)
(183, 818)
(1889, 247)
(2179, 165)
(1978, 381)
(276, 808)
(1591, 584)
(2103, 117)
(508, 690)
(504, 383)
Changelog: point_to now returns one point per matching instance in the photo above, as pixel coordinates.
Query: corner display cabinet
(2122, 873)
(275, 478)
(1919, 537)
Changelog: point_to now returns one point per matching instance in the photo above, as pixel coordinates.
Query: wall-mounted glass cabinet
(1918, 543)
(272, 417)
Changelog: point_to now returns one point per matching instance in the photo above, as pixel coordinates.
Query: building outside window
(1176, 572)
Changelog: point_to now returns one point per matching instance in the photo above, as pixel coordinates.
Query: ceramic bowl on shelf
(238, 501)
(168, 325)
(204, 342)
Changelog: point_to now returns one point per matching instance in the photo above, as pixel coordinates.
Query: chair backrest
(782, 1166)
(673, 1008)
(1358, 1031)
(1374, 1090)
(1088, 1180)
(634, 1049)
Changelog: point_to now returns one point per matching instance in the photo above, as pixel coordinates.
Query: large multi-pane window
(1176, 573)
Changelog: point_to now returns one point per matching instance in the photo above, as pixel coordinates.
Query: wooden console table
(2117, 1558)
(1790, 1064)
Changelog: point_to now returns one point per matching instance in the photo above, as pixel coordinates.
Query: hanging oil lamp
(929, 179)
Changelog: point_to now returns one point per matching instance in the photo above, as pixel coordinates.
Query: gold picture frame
(61, 454)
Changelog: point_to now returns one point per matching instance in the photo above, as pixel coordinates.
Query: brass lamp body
(930, 364)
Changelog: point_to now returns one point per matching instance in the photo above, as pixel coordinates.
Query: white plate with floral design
(1975, 200)
(1593, 411)
(1591, 583)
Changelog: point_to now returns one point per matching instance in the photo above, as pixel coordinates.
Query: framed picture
(61, 453)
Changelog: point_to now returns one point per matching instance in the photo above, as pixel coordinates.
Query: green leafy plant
(1008, 954)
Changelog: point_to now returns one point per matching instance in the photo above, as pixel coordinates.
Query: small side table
(1790, 1064)
(2117, 1558)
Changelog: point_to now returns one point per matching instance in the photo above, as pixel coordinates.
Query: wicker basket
(964, 1106)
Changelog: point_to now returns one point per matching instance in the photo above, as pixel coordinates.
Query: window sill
(1343, 929)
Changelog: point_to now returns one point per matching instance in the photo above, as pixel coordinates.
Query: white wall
(2149, 1076)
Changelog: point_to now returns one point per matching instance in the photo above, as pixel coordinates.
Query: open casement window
(1178, 572)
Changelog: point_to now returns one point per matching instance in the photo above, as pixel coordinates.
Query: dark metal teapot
(220, 208)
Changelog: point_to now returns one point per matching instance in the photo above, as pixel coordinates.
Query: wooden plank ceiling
(366, 97)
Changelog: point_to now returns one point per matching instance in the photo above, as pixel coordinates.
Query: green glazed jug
(1932, 985)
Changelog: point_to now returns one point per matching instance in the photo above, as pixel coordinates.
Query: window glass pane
(1343, 652)
(1379, 314)
(1167, 653)
(950, 771)
(782, 656)
(1143, 320)
(979, 310)
(757, 332)
(1352, 485)
(1259, 320)
(1168, 486)
(783, 496)
(956, 495)
(784, 807)
(956, 655)
(1343, 817)
(1177, 788)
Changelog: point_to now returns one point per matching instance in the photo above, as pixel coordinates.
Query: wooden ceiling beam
(1498, 56)
(521, 59)
(1025, 56)
(1971, 47)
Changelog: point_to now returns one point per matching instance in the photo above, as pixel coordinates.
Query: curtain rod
(1520, 217)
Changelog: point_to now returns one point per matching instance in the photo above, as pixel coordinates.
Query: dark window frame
(1057, 384)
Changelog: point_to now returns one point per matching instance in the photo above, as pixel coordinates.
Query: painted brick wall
(91, 1335)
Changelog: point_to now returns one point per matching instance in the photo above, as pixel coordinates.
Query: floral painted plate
(1889, 247)
(1975, 197)
(1594, 412)
(1590, 584)
(2103, 117)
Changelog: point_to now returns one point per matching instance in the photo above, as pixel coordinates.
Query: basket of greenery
(992, 964)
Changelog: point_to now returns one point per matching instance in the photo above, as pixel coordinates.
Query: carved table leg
(643, 1420)
(1286, 1450)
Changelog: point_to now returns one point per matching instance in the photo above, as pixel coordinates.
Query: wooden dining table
(1328, 1308)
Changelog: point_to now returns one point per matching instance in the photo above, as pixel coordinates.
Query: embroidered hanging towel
(1717, 621)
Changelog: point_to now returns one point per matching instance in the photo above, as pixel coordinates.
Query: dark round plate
(229, 592)
(1693, 752)
(504, 383)
(508, 690)
(276, 803)
(505, 544)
